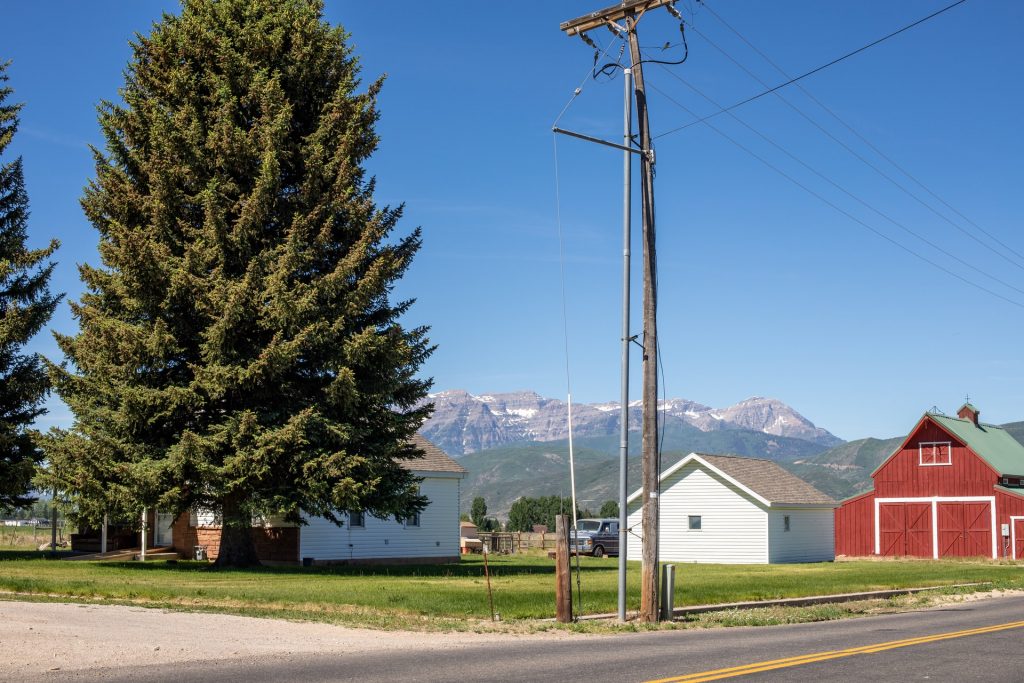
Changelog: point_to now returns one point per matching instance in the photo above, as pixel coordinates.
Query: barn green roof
(991, 443)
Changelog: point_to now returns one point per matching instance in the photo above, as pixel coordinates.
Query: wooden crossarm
(614, 13)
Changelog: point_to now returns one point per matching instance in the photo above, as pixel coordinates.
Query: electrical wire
(864, 140)
(837, 208)
(578, 91)
(568, 376)
(849, 194)
(813, 71)
(609, 68)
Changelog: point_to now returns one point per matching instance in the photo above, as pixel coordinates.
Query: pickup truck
(597, 537)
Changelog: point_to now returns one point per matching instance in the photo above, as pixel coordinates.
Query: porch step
(129, 555)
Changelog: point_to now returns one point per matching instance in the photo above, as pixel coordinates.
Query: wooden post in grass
(563, 587)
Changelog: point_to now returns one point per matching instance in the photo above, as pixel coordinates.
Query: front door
(162, 535)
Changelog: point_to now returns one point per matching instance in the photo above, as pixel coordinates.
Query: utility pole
(630, 12)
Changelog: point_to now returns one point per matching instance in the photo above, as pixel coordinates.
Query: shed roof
(433, 459)
(769, 480)
(766, 479)
(991, 443)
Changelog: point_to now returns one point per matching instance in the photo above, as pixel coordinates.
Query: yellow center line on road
(800, 660)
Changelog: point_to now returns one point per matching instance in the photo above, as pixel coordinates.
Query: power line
(859, 136)
(849, 194)
(860, 157)
(813, 71)
(578, 91)
(836, 207)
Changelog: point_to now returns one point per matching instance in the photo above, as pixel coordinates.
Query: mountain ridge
(465, 423)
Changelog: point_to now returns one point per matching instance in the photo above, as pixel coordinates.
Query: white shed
(737, 510)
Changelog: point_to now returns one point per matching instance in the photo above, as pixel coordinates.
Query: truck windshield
(588, 525)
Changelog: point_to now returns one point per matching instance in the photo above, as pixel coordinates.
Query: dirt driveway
(48, 639)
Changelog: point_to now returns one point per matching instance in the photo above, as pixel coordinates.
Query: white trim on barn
(935, 500)
(1013, 534)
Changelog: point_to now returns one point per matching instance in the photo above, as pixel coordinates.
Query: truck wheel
(598, 551)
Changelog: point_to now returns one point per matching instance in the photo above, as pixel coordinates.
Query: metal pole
(627, 171)
(103, 535)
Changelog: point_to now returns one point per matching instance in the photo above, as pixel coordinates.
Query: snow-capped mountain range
(464, 423)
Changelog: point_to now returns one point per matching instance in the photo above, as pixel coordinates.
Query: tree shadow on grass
(466, 568)
(32, 555)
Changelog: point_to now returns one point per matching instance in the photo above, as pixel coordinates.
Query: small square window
(935, 453)
(356, 520)
(785, 523)
(413, 520)
(695, 522)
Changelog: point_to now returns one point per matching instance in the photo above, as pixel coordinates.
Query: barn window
(356, 520)
(785, 523)
(935, 453)
(694, 522)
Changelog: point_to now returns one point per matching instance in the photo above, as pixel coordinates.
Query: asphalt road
(944, 646)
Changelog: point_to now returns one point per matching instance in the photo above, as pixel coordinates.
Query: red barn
(954, 488)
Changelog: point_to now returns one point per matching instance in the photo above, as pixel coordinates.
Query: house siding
(734, 528)
(436, 539)
(809, 539)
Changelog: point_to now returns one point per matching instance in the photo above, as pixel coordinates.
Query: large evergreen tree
(25, 306)
(238, 347)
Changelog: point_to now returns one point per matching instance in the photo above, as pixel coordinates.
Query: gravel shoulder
(40, 637)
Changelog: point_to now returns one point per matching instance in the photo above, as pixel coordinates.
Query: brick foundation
(273, 544)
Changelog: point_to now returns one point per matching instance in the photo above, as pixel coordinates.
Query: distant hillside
(532, 469)
(538, 469)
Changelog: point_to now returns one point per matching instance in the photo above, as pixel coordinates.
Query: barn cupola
(968, 412)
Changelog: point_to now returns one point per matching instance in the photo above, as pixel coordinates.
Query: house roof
(765, 479)
(991, 443)
(433, 459)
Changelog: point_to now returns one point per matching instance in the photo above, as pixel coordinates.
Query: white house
(431, 536)
(736, 510)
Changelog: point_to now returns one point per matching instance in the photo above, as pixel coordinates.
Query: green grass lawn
(446, 595)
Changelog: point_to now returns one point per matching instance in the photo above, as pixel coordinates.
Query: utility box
(199, 552)
(1006, 529)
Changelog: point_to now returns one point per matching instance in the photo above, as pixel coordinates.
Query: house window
(694, 522)
(785, 523)
(935, 453)
(413, 520)
(356, 520)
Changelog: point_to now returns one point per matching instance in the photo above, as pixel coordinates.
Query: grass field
(26, 537)
(453, 595)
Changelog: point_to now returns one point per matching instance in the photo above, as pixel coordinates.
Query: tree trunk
(236, 545)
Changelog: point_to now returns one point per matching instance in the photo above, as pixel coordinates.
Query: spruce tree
(238, 348)
(25, 306)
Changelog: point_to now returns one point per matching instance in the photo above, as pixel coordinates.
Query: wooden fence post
(563, 586)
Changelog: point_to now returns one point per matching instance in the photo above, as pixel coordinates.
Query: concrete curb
(793, 602)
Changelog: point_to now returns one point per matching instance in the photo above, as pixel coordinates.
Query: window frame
(690, 520)
(362, 520)
(786, 523)
(413, 521)
(921, 451)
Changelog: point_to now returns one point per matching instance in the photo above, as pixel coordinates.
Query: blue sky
(764, 289)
